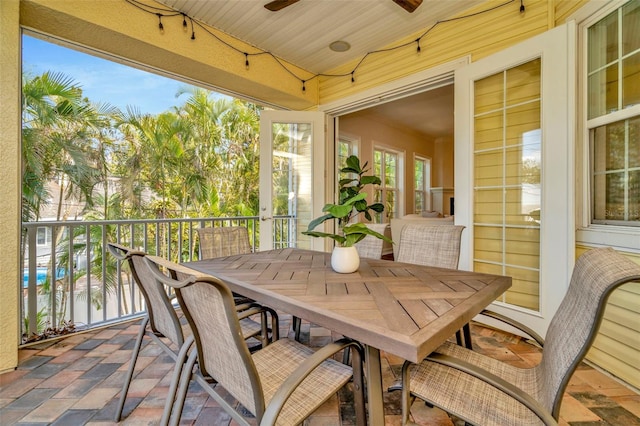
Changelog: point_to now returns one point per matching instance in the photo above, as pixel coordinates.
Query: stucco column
(9, 180)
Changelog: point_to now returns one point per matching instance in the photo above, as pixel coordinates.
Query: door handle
(263, 218)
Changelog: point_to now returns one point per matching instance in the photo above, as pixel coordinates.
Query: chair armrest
(495, 381)
(121, 252)
(528, 331)
(299, 374)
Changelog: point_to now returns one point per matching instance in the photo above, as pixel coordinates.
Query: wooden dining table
(403, 309)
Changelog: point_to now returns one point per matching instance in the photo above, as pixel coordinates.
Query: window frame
(426, 183)
(400, 177)
(611, 234)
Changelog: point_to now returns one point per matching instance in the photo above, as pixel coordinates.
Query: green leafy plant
(351, 202)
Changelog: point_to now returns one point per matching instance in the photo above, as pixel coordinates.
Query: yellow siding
(564, 8)
(617, 346)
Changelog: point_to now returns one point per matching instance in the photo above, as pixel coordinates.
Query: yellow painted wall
(617, 347)
(10, 181)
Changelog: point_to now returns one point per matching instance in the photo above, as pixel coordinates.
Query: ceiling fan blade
(408, 5)
(276, 5)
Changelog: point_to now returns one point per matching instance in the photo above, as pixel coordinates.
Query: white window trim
(626, 238)
(401, 175)
(426, 184)
(352, 139)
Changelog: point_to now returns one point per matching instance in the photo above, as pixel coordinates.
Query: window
(421, 184)
(346, 146)
(612, 72)
(43, 236)
(387, 166)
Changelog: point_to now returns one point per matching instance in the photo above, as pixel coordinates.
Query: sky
(103, 81)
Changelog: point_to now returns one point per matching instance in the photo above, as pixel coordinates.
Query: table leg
(373, 372)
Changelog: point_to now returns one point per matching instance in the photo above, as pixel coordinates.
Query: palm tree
(58, 134)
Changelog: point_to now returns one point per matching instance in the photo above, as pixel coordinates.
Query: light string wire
(166, 12)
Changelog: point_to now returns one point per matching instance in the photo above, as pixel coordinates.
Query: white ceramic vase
(345, 260)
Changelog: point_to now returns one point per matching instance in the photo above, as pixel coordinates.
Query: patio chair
(484, 391)
(161, 323)
(433, 245)
(223, 241)
(430, 245)
(371, 247)
(282, 383)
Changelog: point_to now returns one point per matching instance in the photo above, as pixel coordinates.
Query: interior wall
(442, 168)
(373, 130)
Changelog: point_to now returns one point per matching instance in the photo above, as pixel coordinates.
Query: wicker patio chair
(223, 241)
(430, 245)
(371, 247)
(433, 245)
(283, 383)
(162, 323)
(484, 391)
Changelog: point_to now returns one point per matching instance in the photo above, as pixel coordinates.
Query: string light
(160, 22)
(165, 12)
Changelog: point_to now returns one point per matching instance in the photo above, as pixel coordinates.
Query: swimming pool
(41, 275)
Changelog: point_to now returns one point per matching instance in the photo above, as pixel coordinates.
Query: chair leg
(132, 366)
(184, 379)
(466, 329)
(346, 357)
(459, 338)
(296, 323)
(177, 372)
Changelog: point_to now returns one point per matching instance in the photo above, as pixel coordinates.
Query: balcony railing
(71, 282)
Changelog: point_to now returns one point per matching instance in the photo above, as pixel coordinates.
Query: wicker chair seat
(458, 392)
(275, 364)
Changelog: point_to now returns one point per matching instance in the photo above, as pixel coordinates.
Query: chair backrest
(430, 245)
(223, 241)
(209, 307)
(163, 319)
(574, 326)
(370, 246)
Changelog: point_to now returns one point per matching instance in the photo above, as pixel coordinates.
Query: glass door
(514, 171)
(291, 192)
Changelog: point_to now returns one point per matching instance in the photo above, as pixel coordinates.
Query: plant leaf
(338, 238)
(377, 207)
(339, 211)
(317, 221)
(353, 162)
(365, 180)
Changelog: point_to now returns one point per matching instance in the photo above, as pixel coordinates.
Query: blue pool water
(41, 275)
